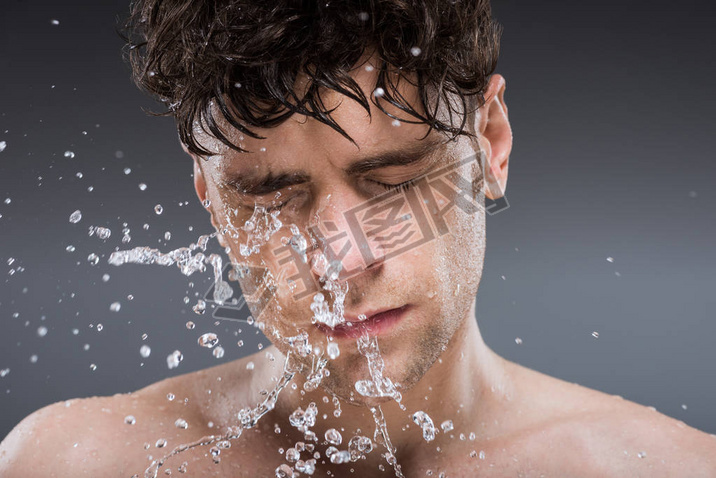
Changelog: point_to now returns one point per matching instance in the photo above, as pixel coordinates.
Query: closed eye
(404, 186)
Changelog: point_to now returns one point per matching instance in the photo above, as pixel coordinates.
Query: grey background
(611, 104)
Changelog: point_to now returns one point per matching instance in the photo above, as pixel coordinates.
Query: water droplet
(76, 216)
(70, 248)
(292, 455)
(250, 366)
(333, 436)
(181, 423)
(641, 454)
(339, 457)
(333, 350)
(4, 372)
(158, 209)
(54, 22)
(93, 367)
(208, 340)
(447, 426)
(206, 202)
(115, 306)
(363, 16)
(284, 471)
(93, 259)
(102, 232)
(415, 51)
(170, 397)
(610, 259)
(167, 236)
(130, 420)
(518, 341)
(127, 170)
(69, 154)
(200, 307)
(190, 325)
(33, 358)
(3, 145)
(161, 443)
(218, 352)
(79, 175)
(481, 455)
(683, 406)
(145, 351)
(378, 92)
(595, 334)
(100, 327)
(174, 359)
(424, 421)
(42, 331)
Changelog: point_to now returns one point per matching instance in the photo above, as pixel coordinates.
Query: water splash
(248, 418)
(184, 257)
(382, 438)
(378, 385)
(259, 228)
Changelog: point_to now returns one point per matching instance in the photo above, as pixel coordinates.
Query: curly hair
(244, 56)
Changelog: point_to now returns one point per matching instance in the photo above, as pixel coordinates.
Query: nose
(340, 238)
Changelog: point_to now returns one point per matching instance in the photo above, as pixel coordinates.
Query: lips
(376, 324)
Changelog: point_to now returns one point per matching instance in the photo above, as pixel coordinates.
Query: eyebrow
(267, 184)
(403, 157)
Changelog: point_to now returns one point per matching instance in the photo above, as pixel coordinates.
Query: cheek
(458, 260)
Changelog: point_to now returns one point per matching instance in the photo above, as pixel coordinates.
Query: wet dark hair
(245, 55)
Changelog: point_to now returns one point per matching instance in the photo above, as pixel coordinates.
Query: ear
(495, 136)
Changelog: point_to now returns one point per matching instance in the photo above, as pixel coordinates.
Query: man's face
(306, 211)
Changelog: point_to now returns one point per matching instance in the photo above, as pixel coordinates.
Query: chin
(403, 367)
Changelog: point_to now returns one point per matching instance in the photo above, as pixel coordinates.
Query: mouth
(376, 324)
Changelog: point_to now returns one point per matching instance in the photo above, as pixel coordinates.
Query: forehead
(301, 138)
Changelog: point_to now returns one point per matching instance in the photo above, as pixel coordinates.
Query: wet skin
(526, 423)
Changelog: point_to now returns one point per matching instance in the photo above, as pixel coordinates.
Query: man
(341, 150)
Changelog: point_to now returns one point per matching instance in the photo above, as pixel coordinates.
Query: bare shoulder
(120, 435)
(595, 434)
(81, 437)
(644, 439)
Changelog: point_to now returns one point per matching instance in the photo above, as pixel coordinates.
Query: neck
(462, 386)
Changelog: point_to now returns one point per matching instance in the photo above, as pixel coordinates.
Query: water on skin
(248, 418)
(378, 385)
(259, 229)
